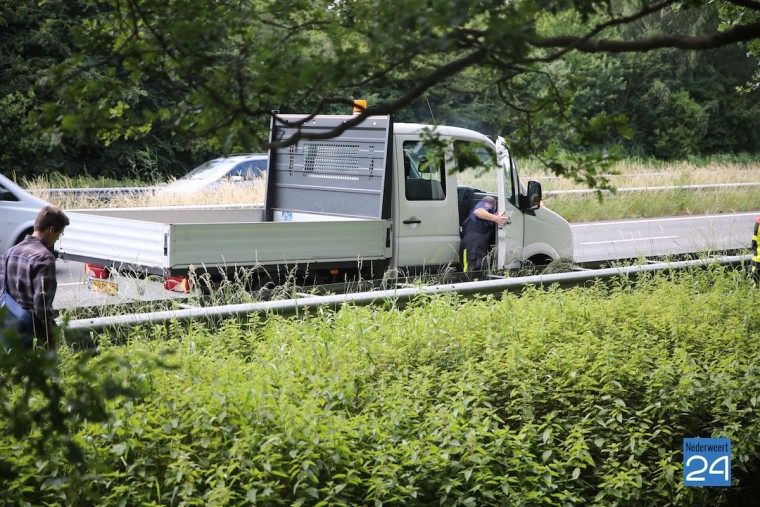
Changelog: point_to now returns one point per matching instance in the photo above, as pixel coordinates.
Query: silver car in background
(18, 209)
(246, 169)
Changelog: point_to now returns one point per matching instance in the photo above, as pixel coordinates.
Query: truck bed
(167, 241)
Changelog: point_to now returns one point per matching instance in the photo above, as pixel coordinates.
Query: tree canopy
(558, 76)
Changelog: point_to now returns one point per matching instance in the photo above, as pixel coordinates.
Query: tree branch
(741, 33)
(439, 75)
(748, 4)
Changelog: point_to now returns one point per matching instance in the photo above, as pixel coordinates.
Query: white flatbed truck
(374, 199)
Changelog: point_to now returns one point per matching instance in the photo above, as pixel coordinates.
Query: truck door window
(424, 173)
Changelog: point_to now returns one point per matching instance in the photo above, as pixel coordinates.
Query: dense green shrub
(556, 397)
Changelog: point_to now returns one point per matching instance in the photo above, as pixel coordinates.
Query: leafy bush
(556, 397)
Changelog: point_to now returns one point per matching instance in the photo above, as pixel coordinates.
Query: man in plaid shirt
(31, 279)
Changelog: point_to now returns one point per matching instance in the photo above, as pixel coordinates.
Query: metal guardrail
(108, 192)
(96, 192)
(658, 188)
(400, 295)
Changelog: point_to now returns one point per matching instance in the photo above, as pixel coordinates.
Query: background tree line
(159, 120)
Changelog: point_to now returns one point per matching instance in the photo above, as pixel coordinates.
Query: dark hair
(50, 216)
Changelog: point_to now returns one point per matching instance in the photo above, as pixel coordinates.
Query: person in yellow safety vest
(754, 263)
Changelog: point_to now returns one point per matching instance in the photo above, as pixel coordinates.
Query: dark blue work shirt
(486, 205)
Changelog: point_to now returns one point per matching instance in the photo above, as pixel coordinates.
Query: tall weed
(555, 397)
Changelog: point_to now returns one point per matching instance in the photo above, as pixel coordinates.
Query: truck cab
(431, 206)
(406, 174)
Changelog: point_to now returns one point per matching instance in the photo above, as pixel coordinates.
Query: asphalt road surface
(74, 291)
(655, 237)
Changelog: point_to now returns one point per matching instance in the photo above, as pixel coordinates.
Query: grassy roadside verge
(655, 203)
(574, 207)
(558, 397)
(645, 204)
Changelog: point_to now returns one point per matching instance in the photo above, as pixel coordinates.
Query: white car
(249, 169)
(18, 209)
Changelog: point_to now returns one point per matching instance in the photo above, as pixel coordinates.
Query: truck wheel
(535, 265)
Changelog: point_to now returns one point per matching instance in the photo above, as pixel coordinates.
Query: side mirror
(534, 195)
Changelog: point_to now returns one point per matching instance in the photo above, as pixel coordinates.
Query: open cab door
(510, 238)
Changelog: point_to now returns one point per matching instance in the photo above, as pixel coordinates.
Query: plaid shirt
(32, 282)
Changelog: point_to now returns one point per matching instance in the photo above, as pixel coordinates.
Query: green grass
(660, 203)
(557, 397)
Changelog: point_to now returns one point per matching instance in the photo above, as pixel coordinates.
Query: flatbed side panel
(230, 245)
(343, 175)
(185, 215)
(106, 240)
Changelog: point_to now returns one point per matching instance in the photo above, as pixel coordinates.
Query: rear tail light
(177, 284)
(96, 271)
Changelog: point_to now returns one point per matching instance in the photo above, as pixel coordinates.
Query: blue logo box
(706, 461)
